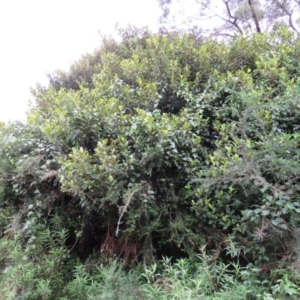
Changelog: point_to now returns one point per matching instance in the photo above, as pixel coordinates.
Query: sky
(40, 36)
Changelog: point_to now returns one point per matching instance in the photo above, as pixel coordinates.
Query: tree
(231, 17)
(153, 146)
(169, 137)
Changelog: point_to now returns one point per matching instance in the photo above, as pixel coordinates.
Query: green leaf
(265, 212)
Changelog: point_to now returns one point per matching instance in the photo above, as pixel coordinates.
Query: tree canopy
(159, 145)
(231, 17)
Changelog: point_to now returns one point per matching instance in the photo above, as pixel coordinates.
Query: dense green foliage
(158, 146)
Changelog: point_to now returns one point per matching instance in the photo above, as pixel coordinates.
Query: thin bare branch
(234, 22)
(254, 16)
(289, 14)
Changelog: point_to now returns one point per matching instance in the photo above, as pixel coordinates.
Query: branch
(254, 16)
(125, 209)
(224, 19)
(284, 9)
(232, 17)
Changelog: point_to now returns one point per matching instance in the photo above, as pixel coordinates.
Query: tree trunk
(254, 16)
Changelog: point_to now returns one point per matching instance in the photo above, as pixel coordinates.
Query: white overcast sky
(40, 36)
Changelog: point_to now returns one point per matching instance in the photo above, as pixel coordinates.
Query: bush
(154, 147)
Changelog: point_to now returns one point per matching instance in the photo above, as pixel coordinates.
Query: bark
(254, 16)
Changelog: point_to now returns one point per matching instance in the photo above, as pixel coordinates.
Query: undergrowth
(35, 264)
